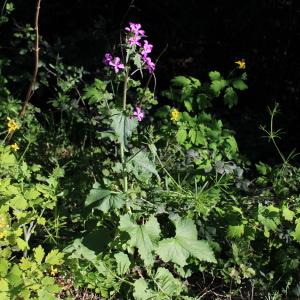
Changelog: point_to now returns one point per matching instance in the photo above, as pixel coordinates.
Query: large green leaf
(218, 85)
(141, 291)
(105, 199)
(123, 263)
(168, 285)
(123, 126)
(144, 237)
(185, 244)
(143, 167)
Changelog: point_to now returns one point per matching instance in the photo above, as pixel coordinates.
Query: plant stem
(37, 50)
(122, 150)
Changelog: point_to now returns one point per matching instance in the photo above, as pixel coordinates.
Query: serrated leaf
(142, 163)
(235, 231)
(105, 199)
(141, 291)
(185, 244)
(214, 75)
(54, 257)
(97, 92)
(4, 287)
(180, 81)
(143, 237)
(239, 85)
(123, 263)
(288, 214)
(230, 97)
(169, 285)
(123, 126)
(39, 254)
(296, 233)
(18, 202)
(218, 85)
(233, 144)
(181, 136)
(22, 245)
(4, 265)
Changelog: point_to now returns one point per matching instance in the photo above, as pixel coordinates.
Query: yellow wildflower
(241, 64)
(175, 115)
(3, 234)
(12, 125)
(53, 271)
(14, 147)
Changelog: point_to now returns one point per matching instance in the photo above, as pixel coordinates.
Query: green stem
(272, 135)
(122, 148)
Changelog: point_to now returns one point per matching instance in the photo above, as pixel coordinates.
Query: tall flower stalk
(137, 53)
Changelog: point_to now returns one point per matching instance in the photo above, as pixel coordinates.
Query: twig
(30, 90)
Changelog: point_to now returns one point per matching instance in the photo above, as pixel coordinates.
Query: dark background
(200, 36)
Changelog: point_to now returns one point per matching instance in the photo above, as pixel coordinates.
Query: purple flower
(135, 29)
(134, 40)
(107, 58)
(147, 48)
(116, 63)
(138, 113)
(149, 64)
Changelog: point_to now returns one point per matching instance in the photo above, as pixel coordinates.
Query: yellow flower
(3, 234)
(12, 125)
(241, 64)
(14, 147)
(175, 115)
(53, 271)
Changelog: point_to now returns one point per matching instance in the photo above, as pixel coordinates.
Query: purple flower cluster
(134, 38)
(115, 63)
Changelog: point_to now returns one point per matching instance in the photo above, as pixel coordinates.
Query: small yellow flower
(3, 234)
(14, 147)
(53, 271)
(175, 115)
(241, 64)
(12, 125)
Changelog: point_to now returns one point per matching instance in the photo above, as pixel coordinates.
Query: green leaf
(54, 257)
(185, 244)
(21, 244)
(288, 214)
(233, 144)
(214, 75)
(142, 164)
(180, 81)
(235, 231)
(218, 85)
(181, 136)
(123, 126)
(18, 202)
(144, 237)
(3, 286)
(141, 291)
(188, 105)
(239, 85)
(296, 233)
(123, 263)
(230, 97)
(169, 285)
(4, 265)
(105, 199)
(97, 92)
(39, 254)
